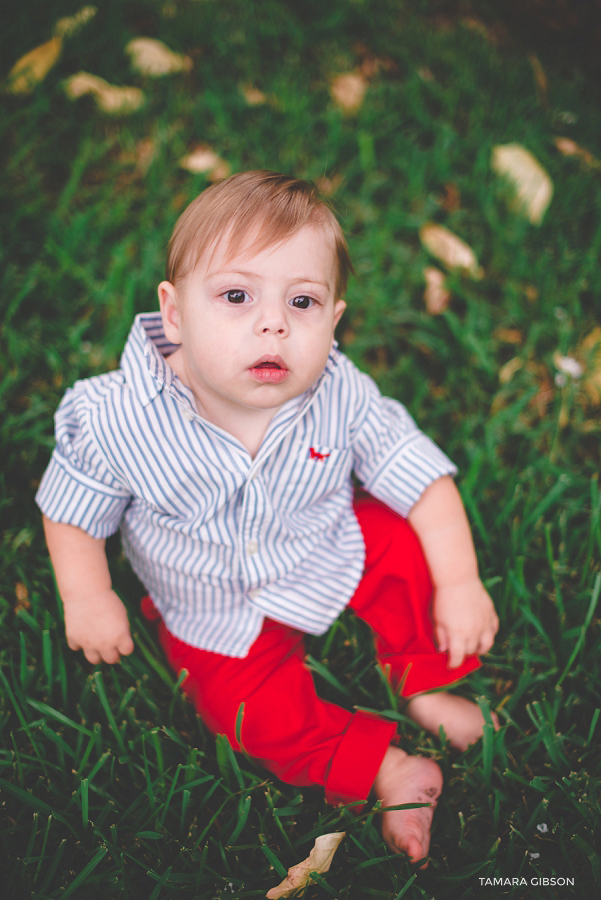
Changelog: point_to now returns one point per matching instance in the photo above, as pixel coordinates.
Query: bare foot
(461, 719)
(408, 779)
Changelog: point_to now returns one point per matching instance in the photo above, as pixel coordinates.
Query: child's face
(255, 329)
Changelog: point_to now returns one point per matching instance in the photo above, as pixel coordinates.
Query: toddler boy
(223, 448)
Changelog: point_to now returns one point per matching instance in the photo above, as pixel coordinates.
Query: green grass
(110, 786)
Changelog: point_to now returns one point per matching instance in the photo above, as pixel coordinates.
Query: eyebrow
(301, 280)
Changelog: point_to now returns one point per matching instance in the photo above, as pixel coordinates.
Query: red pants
(292, 732)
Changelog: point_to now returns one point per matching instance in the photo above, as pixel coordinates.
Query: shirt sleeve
(79, 487)
(393, 459)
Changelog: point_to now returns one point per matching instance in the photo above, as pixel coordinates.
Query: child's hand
(99, 626)
(465, 620)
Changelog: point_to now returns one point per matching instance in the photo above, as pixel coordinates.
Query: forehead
(260, 241)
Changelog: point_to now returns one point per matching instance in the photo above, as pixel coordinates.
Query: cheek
(209, 345)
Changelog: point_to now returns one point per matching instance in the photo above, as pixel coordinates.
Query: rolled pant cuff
(358, 758)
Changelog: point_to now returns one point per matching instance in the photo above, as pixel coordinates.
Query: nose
(271, 319)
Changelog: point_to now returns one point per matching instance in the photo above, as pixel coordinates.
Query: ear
(170, 312)
(339, 308)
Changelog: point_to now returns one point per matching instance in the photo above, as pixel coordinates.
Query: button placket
(252, 516)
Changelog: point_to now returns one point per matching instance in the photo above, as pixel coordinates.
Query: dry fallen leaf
(507, 371)
(152, 57)
(34, 66)
(540, 80)
(494, 35)
(590, 353)
(508, 335)
(22, 595)
(449, 249)
(426, 74)
(109, 97)
(533, 187)
(436, 296)
(451, 200)
(67, 26)
(328, 185)
(205, 160)
(348, 91)
(252, 95)
(319, 860)
(568, 147)
(545, 393)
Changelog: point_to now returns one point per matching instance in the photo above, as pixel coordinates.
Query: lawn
(110, 785)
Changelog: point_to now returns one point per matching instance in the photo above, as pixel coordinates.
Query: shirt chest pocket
(310, 474)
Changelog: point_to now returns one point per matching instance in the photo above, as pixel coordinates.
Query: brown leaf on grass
(451, 201)
(204, 160)
(494, 33)
(589, 352)
(507, 371)
(67, 26)
(538, 375)
(348, 91)
(583, 371)
(546, 391)
(319, 860)
(533, 187)
(449, 249)
(329, 186)
(109, 97)
(371, 66)
(426, 74)
(22, 595)
(509, 335)
(436, 296)
(252, 95)
(540, 80)
(568, 147)
(151, 57)
(34, 66)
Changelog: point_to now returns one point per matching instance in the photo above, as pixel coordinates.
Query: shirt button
(252, 547)
(254, 595)
(188, 414)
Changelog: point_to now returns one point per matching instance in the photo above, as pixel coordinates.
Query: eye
(235, 296)
(302, 302)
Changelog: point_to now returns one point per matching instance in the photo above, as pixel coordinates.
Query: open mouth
(269, 370)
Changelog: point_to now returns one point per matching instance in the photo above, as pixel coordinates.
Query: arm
(464, 617)
(95, 618)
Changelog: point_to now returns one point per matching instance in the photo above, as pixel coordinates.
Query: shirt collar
(147, 372)
(143, 360)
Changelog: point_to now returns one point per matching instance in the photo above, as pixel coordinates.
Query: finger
(92, 656)
(440, 634)
(111, 656)
(125, 646)
(486, 642)
(456, 654)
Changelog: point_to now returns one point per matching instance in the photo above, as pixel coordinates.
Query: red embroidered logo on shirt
(314, 454)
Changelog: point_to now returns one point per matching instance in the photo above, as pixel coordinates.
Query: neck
(249, 426)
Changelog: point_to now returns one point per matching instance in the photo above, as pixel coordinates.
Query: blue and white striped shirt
(221, 540)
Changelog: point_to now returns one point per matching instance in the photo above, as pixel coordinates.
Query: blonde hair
(276, 205)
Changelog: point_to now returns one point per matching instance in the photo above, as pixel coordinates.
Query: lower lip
(268, 375)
